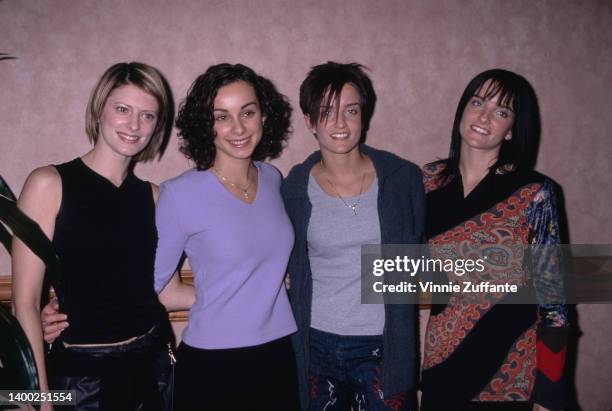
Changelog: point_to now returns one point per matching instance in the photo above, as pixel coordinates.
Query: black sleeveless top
(106, 239)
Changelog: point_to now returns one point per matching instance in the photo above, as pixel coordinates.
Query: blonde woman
(101, 219)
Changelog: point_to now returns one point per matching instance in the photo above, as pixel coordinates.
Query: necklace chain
(353, 206)
(225, 180)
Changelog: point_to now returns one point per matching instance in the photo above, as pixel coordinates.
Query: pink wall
(421, 53)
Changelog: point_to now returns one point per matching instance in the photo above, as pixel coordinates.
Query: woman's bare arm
(177, 295)
(40, 200)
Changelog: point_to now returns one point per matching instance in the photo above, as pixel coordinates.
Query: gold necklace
(353, 206)
(225, 180)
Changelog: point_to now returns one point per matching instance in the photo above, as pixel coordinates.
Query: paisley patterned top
(485, 350)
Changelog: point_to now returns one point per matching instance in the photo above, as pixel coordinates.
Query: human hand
(53, 322)
(537, 407)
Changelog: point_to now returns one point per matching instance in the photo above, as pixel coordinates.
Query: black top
(448, 207)
(105, 237)
(496, 354)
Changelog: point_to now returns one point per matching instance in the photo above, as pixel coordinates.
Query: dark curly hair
(195, 119)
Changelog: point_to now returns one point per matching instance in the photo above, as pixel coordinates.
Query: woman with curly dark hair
(227, 215)
(197, 119)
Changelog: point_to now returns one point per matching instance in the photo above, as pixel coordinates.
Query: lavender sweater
(238, 253)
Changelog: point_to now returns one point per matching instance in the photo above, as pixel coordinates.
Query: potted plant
(17, 367)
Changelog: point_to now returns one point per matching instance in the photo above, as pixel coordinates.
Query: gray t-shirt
(335, 236)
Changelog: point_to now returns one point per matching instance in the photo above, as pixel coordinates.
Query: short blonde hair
(146, 78)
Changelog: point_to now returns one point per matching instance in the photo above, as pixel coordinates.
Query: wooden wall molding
(6, 292)
(176, 316)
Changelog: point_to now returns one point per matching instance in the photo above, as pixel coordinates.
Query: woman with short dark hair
(347, 194)
(227, 215)
(486, 201)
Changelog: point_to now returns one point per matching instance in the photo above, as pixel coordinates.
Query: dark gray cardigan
(401, 210)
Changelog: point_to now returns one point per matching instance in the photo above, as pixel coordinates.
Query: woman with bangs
(486, 198)
(101, 219)
(350, 355)
(228, 217)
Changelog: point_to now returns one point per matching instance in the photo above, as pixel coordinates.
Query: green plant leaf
(5, 190)
(30, 233)
(4, 56)
(18, 370)
(6, 238)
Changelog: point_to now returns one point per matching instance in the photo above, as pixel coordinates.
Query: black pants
(125, 377)
(263, 377)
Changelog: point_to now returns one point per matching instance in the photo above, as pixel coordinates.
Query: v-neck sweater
(238, 253)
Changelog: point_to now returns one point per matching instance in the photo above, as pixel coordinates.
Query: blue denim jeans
(345, 374)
